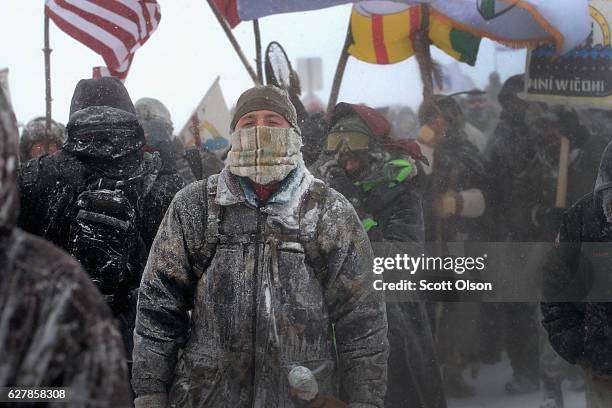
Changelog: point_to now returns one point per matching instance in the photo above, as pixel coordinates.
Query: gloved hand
(447, 204)
(606, 196)
(151, 401)
(570, 127)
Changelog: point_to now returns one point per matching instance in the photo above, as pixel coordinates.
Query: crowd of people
(243, 277)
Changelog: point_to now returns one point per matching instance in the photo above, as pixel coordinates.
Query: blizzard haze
(189, 50)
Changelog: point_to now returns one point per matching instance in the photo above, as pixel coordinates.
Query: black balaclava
(103, 129)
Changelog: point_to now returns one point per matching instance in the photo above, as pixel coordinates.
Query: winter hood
(103, 123)
(511, 88)
(103, 132)
(9, 163)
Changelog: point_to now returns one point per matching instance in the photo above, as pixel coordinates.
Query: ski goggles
(352, 140)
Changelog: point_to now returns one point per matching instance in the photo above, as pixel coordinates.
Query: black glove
(570, 127)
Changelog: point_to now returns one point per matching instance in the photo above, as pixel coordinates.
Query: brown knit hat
(266, 97)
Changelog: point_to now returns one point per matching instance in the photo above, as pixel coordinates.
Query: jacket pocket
(299, 284)
(225, 279)
(197, 383)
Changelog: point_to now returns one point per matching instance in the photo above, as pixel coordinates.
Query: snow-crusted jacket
(578, 330)
(102, 149)
(55, 330)
(270, 287)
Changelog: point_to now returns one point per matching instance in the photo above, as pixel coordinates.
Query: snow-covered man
(276, 270)
(55, 329)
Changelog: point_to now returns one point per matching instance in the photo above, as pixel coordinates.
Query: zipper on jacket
(258, 241)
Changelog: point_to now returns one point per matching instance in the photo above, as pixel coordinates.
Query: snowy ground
(490, 388)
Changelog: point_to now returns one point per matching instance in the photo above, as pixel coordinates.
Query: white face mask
(264, 154)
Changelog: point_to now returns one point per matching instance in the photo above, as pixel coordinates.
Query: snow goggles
(352, 140)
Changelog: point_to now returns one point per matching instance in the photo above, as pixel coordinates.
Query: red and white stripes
(115, 29)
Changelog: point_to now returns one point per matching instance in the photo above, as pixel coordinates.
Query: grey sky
(189, 49)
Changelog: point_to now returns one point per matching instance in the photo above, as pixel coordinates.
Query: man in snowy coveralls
(277, 273)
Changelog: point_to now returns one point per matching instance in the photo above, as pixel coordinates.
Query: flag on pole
(382, 33)
(115, 29)
(209, 124)
(519, 23)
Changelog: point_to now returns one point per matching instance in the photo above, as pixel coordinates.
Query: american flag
(115, 29)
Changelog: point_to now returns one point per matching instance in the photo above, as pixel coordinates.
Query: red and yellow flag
(387, 38)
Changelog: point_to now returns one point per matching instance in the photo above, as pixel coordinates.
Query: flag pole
(422, 53)
(344, 55)
(234, 42)
(47, 51)
(495, 58)
(258, 50)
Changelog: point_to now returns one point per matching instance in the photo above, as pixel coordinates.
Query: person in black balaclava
(55, 330)
(100, 197)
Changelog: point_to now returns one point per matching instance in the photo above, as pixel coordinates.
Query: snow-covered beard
(9, 162)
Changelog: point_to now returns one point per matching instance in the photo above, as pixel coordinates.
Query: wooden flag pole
(561, 199)
(234, 42)
(47, 51)
(258, 51)
(422, 53)
(333, 96)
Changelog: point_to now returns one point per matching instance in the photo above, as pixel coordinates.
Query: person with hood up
(192, 165)
(376, 174)
(157, 125)
(579, 330)
(277, 274)
(55, 330)
(100, 197)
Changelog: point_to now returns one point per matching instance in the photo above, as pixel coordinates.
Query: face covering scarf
(264, 154)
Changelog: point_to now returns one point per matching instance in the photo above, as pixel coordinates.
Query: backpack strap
(211, 222)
